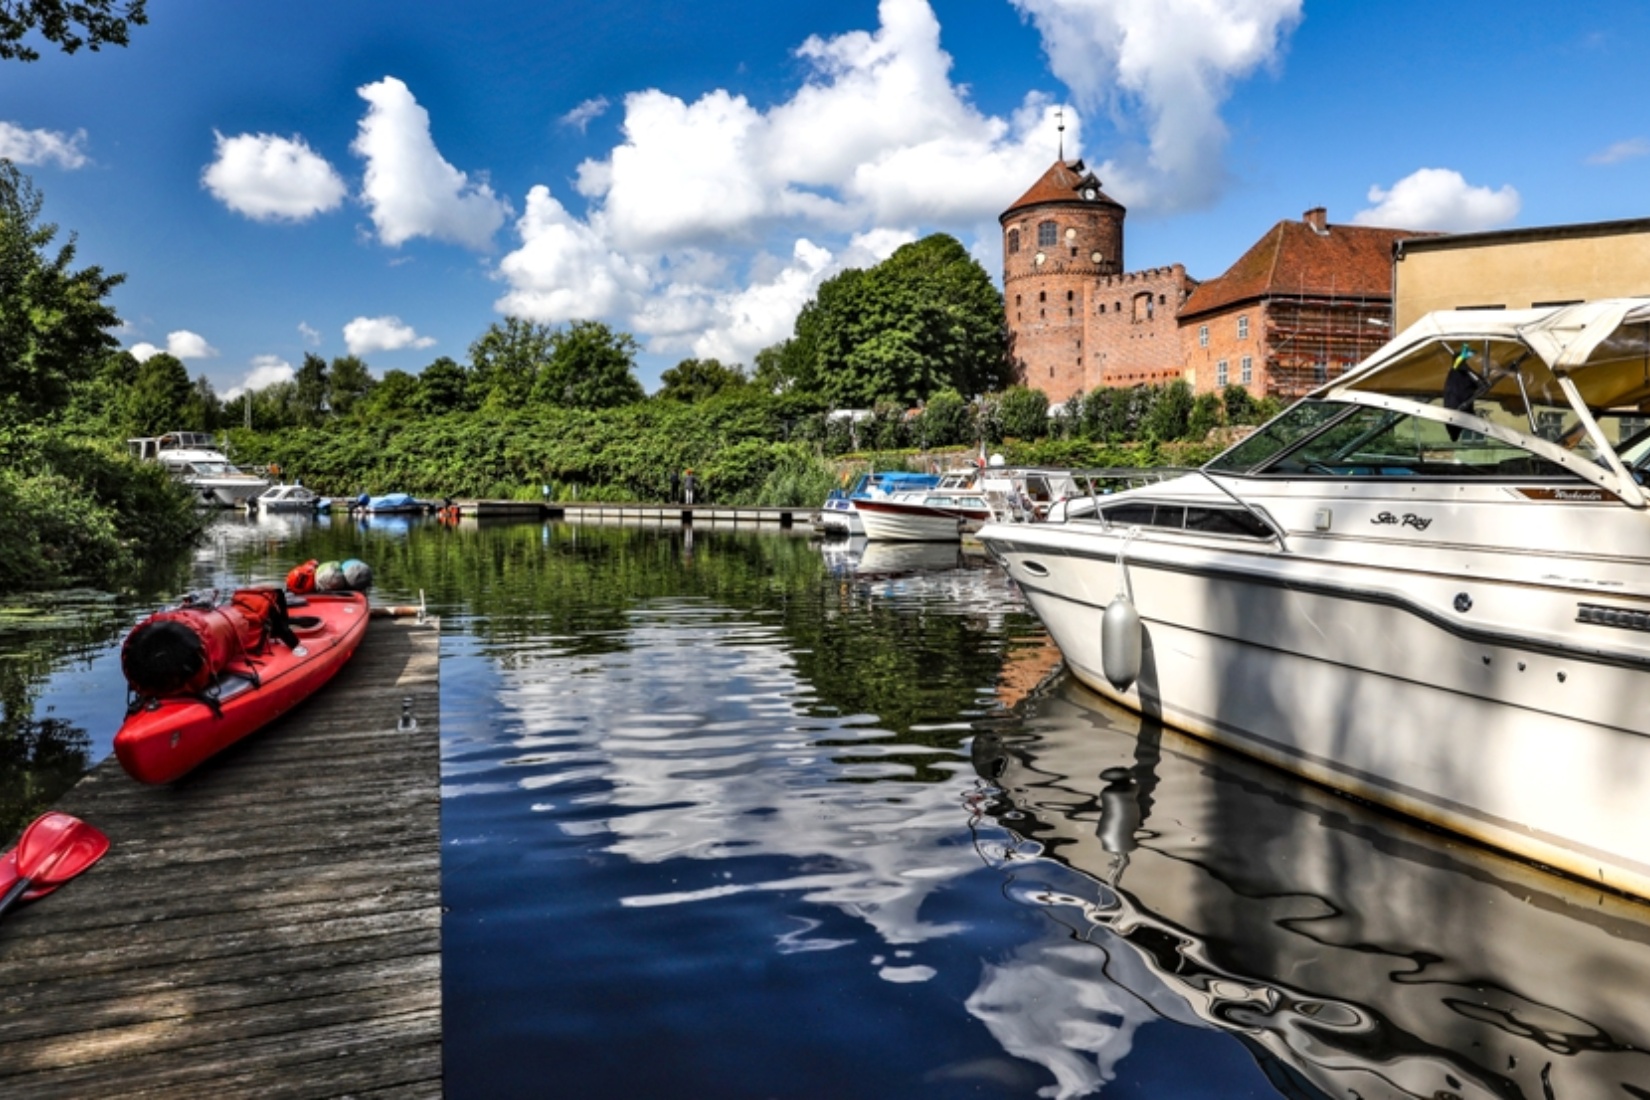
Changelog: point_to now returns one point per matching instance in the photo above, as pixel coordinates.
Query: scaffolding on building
(1312, 338)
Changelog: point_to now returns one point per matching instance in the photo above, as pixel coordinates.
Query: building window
(1220, 374)
(1047, 234)
(1042, 295)
(1013, 241)
(1070, 295)
(1246, 370)
(1142, 308)
(1243, 327)
(1320, 371)
(1202, 335)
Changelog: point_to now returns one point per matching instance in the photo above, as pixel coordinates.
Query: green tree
(924, 319)
(1170, 412)
(590, 367)
(442, 388)
(311, 390)
(694, 380)
(1205, 416)
(202, 409)
(787, 367)
(351, 382)
(67, 24)
(54, 322)
(945, 421)
(1240, 405)
(505, 362)
(394, 395)
(1025, 413)
(159, 397)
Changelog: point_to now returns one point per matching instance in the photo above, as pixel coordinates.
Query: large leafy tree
(506, 360)
(349, 385)
(442, 388)
(590, 367)
(158, 399)
(924, 319)
(694, 380)
(54, 323)
(312, 382)
(68, 24)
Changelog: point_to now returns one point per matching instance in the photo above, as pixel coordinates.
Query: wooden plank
(268, 926)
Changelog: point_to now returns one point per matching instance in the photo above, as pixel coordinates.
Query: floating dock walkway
(672, 515)
(269, 926)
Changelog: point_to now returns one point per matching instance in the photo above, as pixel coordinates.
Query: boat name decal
(1410, 519)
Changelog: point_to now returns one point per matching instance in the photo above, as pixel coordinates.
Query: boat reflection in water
(1351, 952)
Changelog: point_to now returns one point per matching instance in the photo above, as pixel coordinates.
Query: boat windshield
(1330, 438)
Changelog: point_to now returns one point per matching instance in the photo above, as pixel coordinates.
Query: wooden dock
(670, 515)
(268, 926)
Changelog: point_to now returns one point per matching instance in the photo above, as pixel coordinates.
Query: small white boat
(839, 514)
(929, 515)
(289, 498)
(1427, 585)
(195, 459)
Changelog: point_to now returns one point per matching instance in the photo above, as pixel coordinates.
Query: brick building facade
(1077, 320)
(1305, 302)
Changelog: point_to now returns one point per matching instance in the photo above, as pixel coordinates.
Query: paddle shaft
(18, 889)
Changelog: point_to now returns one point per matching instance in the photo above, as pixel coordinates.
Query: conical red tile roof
(1063, 182)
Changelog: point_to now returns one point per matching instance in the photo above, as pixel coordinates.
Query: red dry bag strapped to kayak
(301, 581)
(185, 650)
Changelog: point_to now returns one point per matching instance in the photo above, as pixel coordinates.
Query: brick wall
(1053, 253)
(1132, 334)
(1227, 336)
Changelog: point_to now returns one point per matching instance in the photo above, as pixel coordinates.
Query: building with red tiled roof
(1077, 321)
(1305, 302)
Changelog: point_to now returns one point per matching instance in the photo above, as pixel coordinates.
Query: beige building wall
(1519, 268)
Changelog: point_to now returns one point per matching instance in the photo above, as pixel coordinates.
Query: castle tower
(1059, 238)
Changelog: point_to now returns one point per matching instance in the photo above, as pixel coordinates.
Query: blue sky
(388, 179)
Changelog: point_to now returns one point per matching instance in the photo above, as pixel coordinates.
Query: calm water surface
(732, 814)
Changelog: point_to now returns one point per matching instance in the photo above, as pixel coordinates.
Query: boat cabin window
(1202, 519)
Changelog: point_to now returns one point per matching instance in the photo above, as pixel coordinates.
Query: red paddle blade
(8, 876)
(57, 847)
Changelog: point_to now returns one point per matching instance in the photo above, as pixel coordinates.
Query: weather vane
(1060, 120)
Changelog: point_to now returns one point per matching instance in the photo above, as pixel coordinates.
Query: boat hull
(838, 516)
(1536, 748)
(172, 735)
(897, 521)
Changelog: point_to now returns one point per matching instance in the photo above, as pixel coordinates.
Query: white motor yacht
(194, 459)
(1427, 584)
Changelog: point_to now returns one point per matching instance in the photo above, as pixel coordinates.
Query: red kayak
(207, 673)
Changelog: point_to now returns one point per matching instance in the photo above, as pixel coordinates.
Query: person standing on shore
(675, 486)
(688, 482)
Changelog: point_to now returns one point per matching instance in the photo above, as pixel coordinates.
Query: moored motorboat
(931, 515)
(207, 673)
(289, 498)
(398, 504)
(194, 459)
(1427, 584)
(839, 515)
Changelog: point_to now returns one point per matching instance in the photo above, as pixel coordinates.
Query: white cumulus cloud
(311, 336)
(1165, 67)
(271, 178)
(1440, 199)
(409, 189)
(365, 335)
(267, 370)
(43, 147)
(565, 270)
(181, 344)
(876, 142)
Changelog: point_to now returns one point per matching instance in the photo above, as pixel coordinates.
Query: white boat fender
(1121, 634)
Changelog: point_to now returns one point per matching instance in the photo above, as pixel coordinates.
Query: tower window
(1047, 234)
(1042, 295)
(1070, 295)
(1013, 241)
